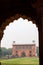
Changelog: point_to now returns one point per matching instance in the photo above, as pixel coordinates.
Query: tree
(6, 51)
(9, 51)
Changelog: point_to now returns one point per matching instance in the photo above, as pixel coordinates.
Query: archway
(39, 9)
(23, 17)
(23, 54)
(16, 55)
(15, 17)
(30, 53)
(28, 22)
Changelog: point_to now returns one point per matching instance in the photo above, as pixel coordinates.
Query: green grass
(21, 61)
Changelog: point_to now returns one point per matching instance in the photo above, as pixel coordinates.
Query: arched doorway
(23, 54)
(16, 55)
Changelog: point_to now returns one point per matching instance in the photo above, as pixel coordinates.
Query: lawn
(21, 61)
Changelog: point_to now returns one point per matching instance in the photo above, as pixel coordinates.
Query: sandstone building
(24, 50)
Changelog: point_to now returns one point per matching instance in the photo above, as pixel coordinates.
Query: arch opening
(11, 19)
(23, 54)
(15, 22)
(10, 30)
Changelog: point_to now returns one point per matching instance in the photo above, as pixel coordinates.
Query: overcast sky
(21, 31)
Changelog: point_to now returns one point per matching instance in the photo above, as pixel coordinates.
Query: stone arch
(11, 19)
(39, 7)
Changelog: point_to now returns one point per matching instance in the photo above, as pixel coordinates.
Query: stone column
(41, 35)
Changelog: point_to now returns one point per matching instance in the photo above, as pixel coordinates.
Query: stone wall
(24, 50)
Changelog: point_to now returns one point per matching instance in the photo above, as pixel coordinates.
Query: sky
(21, 31)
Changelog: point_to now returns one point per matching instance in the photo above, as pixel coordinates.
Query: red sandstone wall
(27, 51)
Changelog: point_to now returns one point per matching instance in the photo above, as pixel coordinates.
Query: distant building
(24, 50)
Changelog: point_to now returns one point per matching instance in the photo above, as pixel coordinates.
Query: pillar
(41, 35)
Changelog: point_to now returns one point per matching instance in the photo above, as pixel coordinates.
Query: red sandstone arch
(23, 54)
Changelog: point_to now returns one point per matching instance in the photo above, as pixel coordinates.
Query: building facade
(24, 50)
